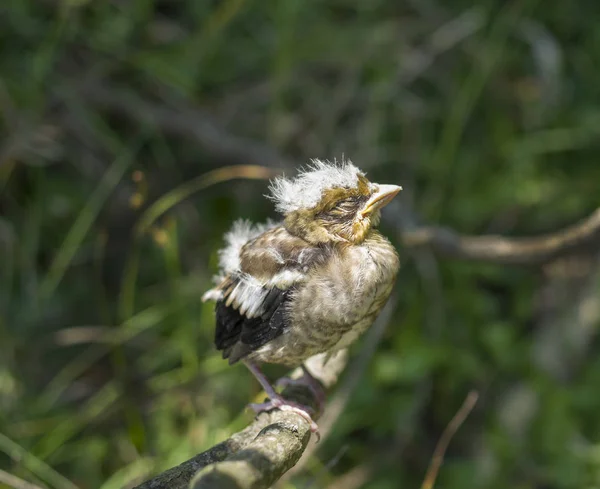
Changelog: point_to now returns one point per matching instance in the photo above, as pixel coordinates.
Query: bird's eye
(347, 203)
(341, 209)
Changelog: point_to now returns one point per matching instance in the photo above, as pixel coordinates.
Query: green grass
(486, 114)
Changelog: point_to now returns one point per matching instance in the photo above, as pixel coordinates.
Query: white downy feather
(305, 191)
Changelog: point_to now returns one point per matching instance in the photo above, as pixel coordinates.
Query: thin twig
(449, 432)
(499, 249)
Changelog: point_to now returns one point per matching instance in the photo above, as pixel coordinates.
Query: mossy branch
(260, 454)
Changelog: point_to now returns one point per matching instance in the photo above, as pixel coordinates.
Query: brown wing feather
(251, 303)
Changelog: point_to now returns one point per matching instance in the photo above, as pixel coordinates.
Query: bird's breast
(339, 300)
(352, 285)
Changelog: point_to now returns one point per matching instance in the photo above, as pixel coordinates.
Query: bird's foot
(285, 405)
(307, 380)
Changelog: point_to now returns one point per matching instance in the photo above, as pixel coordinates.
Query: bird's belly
(316, 332)
(350, 336)
(372, 308)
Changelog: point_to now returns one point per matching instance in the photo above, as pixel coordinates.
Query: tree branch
(514, 251)
(259, 455)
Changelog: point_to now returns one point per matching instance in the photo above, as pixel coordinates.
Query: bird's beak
(379, 199)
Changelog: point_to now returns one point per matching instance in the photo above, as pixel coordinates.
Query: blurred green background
(114, 115)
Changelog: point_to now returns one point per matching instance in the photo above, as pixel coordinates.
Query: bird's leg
(276, 401)
(264, 382)
(307, 380)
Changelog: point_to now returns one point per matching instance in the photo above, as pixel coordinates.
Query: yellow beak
(379, 199)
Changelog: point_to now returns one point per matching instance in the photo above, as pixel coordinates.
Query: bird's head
(330, 202)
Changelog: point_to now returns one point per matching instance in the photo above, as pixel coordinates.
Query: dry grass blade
(16, 482)
(449, 432)
(175, 196)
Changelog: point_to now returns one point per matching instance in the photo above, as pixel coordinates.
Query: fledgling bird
(310, 284)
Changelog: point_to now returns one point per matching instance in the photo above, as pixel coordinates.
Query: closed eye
(343, 208)
(351, 203)
(347, 203)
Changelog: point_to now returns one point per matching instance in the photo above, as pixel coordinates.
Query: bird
(308, 284)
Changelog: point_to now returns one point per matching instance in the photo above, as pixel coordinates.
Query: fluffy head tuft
(305, 191)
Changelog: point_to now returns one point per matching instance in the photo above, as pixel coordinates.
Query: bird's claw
(305, 381)
(284, 405)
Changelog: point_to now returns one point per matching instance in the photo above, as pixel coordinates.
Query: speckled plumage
(337, 299)
(312, 283)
